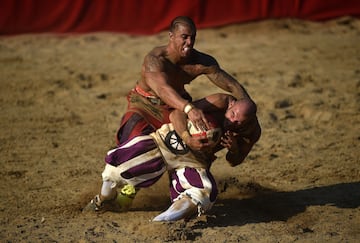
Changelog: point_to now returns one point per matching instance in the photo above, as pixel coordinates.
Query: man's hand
(198, 119)
(197, 143)
(237, 148)
(228, 140)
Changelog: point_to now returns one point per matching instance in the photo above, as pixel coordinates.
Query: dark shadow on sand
(269, 206)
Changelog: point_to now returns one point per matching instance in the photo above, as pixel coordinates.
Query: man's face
(235, 116)
(183, 39)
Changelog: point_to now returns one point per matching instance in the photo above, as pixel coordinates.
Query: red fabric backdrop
(152, 16)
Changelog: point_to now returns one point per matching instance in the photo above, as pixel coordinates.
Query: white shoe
(180, 209)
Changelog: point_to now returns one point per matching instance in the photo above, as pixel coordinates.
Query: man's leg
(193, 190)
(137, 163)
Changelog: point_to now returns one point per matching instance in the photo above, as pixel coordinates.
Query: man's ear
(231, 103)
(171, 34)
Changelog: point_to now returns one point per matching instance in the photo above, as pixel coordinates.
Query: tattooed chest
(184, 74)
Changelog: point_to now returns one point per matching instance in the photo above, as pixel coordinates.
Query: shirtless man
(141, 161)
(240, 131)
(160, 89)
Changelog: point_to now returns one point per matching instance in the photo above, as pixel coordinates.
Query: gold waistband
(152, 98)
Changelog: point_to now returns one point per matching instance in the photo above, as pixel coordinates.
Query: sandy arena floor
(62, 97)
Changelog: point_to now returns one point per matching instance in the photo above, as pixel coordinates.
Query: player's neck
(174, 57)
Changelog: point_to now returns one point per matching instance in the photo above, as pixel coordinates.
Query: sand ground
(62, 96)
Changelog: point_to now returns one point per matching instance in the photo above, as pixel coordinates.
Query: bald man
(142, 160)
(238, 121)
(193, 189)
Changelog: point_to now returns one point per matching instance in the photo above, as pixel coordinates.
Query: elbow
(171, 116)
(175, 115)
(235, 160)
(236, 163)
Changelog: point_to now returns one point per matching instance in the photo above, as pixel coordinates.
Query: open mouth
(186, 50)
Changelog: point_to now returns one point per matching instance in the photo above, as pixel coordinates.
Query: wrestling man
(141, 161)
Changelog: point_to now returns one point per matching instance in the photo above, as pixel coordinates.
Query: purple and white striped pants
(139, 162)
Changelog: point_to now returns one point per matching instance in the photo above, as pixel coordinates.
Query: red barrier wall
(152, 16)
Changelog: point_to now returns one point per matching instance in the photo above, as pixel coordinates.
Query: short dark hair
(182, 20)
